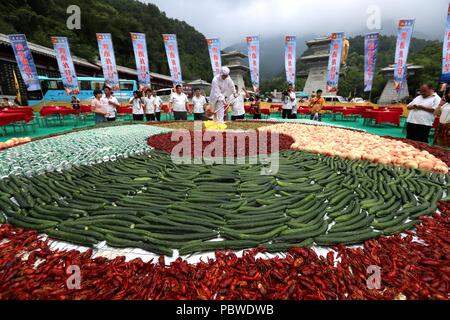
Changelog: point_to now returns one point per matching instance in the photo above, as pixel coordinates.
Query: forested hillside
(422, 52)
(41, 19)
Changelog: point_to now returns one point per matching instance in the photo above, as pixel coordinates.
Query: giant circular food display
(328, 188)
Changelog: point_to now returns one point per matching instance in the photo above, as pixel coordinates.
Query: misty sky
(232, 20)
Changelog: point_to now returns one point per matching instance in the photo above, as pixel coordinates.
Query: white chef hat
(225, 71)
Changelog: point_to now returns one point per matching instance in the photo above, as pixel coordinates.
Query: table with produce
(144, 226)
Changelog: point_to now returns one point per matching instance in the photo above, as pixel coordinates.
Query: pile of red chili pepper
(413, 266)
(168, 141)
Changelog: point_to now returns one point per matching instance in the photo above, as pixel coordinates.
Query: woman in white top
(110, 104)
(199, 102)
(157, 102)
(149, 106)
(442, 134)
(238, 104)
(179, 103)
(138, 106)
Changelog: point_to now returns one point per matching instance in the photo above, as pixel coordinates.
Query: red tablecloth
(365, 107)
(165, 108)
(50, 110)
(349, 111)
(383, 116)
(27, 111)
(265, 111)
(276, 107)
(304, 110)
(124, 110)
(7, 118)
(400, 110)
(84, 108)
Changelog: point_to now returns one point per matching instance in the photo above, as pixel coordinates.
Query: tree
(41, 19)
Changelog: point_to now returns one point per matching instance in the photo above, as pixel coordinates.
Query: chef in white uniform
(222, 87)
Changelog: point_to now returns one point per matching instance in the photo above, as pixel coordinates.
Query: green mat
(382, 130)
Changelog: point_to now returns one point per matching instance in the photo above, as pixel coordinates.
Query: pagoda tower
(316, 65)
(234, 61)
(390, 95)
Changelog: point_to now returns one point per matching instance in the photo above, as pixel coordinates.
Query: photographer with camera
(138, 104)
(289, 102)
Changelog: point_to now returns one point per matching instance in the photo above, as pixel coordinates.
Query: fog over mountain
(232, 20)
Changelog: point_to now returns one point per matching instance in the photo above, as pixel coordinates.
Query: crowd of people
(226, 96)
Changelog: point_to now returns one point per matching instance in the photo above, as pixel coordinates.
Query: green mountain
(422, 52)
(272, 54)
(41, 19)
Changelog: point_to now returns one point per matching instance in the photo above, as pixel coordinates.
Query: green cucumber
(253, 224)
(355, 226)
(237, 235)
(388, 211)
(347, 217)
(299, 213)
(328, 240)
(340, 196)
(122, 243)
(199, 246)
(400, 228)
(382, 207)
(342, 204)
(304, 235)
(284, 247)
(40, 226)
(390, 223)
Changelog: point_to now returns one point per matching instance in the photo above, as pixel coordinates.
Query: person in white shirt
(199, 102)
(421, 114)
(6, 103)
(179, 103)
(138, 103)
(289, 103)
(238, 104)
(222, 87)
(110, 104)
(442, 134)
(149, 106)
(157, 102)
